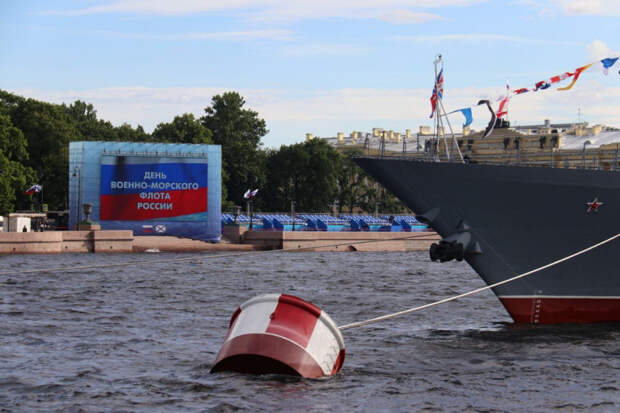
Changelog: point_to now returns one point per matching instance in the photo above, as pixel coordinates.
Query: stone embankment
(235, 239)
(51, 242)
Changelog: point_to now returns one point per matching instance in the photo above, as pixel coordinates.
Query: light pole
(76, 174)
(250, 213)
(382, 148)
(583, 155)
(237, 212)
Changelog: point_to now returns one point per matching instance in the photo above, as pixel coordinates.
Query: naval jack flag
(437, 92)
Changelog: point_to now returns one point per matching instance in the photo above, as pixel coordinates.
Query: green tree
(84, 116)
(48, 130)
(15, 177)
(183, 129)
(8, 102)
(387, 203)
(81, 111)
(357, 190)
(126, 133)
(353, 184)
(239, 132)
(305, 173)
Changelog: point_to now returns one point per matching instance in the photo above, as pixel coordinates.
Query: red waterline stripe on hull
(268, 347)
(551, 310)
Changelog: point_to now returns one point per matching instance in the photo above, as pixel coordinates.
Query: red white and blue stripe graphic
(139, 188)
(291, 332)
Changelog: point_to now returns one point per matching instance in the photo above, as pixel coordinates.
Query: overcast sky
(312, 65)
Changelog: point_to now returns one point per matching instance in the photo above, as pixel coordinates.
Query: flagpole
(454, 142)
(437, 115)
(441, 112)
(251, 213)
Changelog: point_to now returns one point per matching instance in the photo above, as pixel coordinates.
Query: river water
(143, 338)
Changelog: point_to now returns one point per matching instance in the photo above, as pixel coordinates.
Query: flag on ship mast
(607, 63)
(559, 78)
(491, 125)
(576, 75)
(503, 110)
(542, 85)
(467, 113)
(437, 92)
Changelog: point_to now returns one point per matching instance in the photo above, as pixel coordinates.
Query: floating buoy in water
(281, 334)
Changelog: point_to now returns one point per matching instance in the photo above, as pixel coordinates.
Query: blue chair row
(281, 222)
(229, 219)
(325, 222)
(328, 219)
(367, 223)
(410, 219)
(406, 222)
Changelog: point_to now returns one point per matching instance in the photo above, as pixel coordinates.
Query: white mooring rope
(417, 236)
(456, 297)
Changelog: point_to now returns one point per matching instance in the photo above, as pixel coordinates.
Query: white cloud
(552, 8)
(599, 50)
(289, 115)
(577, 7)
(581, 6)
(320, 49)
(273, 34)
(407, 17)
(393, 11)
(482, 37)
(134, 104)
(237, 35)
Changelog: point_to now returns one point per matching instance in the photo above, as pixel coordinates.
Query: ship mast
(440, 115)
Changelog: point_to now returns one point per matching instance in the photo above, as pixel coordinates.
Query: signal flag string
(456, 297)
(606, 64)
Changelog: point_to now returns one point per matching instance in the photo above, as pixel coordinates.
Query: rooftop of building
(573, 136)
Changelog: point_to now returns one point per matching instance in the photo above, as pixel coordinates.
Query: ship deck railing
(587, 158)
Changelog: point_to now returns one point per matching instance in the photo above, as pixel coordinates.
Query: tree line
(34, 148)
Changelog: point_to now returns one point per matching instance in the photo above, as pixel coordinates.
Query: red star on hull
(593, 206)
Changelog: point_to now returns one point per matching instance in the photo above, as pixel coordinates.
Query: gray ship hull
(520, 218)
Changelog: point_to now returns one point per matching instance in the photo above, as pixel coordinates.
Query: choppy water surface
(143, 338)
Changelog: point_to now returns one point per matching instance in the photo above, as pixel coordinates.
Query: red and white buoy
(281, 334)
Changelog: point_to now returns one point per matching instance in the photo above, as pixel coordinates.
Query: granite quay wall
(341, 241)
(235, 239)
(54, 242)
